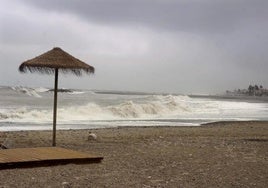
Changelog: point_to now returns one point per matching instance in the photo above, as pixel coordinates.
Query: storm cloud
(184, 46)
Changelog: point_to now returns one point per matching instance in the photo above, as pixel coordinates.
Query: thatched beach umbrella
(52, 62)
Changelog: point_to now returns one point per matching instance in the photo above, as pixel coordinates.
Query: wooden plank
(44, 155)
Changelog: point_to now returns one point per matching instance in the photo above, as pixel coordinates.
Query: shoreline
(222, 123)
(220, 154)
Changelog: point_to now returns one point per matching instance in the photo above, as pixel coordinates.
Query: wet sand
(224, 154)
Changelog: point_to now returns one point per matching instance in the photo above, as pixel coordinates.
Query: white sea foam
(162, 107)
(41, 89)
(76, 92)
(28, 91)
(150, 108)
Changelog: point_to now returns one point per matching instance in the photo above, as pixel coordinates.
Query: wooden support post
(55, 107)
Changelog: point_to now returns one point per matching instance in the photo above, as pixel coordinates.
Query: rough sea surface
(24, 108)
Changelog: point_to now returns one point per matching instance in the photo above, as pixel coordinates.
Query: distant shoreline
(233, 97)
(114, 92)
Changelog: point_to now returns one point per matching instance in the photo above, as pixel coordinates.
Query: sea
(24, 108)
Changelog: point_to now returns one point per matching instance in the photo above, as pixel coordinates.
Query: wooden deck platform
(43, 156)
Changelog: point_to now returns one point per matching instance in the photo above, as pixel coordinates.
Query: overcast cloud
(183, 46)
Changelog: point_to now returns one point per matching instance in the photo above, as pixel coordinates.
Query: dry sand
(230, 154)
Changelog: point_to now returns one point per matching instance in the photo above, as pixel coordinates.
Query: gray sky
(183, 46)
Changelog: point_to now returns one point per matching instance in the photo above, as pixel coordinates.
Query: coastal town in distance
(252, 90)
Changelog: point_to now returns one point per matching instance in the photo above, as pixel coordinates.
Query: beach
(223, 154)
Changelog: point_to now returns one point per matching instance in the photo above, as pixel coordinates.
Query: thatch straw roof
(56, 59)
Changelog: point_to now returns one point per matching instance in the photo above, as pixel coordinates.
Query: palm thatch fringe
(47, 70)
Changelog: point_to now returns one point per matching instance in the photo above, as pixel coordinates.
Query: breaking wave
(28, 91)
(153, 107)
(156, 107)
(36, 92)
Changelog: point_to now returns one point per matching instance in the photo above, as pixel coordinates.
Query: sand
(224, 154)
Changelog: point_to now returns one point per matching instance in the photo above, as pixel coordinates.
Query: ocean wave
(160, 106)
(36, 92)
(143, 108)
(40, 89)
(25, 90)
(164, 106)
(77, 92)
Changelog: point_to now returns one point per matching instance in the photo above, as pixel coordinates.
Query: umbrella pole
(55, 107)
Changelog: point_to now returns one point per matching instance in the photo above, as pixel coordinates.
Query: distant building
(251, 91)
